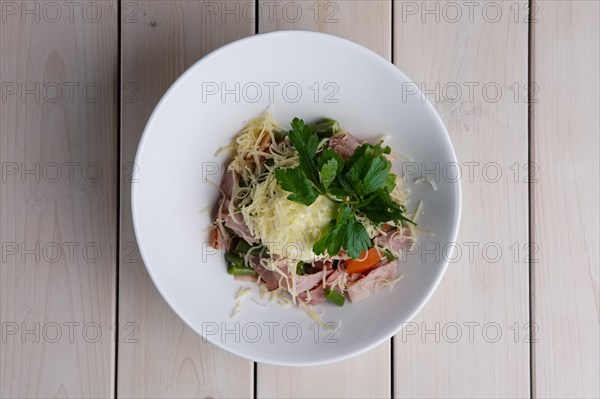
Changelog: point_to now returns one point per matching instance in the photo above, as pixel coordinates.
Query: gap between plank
(392, 374)
(255, 368)
(118, 235)
(530, 195)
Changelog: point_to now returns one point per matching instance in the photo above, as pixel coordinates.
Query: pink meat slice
(238, 226)
(228, 182)
(397, 241)
(221, 241)
(270, 277)
(317, 294)
(344, 145)
(367, 285)
(305, 282)
(319, 264)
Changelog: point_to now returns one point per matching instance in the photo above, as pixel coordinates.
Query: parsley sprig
(360, 185)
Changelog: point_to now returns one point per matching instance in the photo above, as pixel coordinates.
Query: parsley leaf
(375, 176)
(330, 164)
(294, 181)
(360, 185)
(329, 154)
(357, 239)
(320, 246)
(380, 208)
(305, 141)
(347, 233)
(328, 172)
(390, 182)
(368, 172)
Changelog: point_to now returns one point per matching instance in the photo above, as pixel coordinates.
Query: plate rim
(134, 197)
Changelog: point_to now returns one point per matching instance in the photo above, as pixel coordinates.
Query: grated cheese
(426, 180)
(243, 291)
(312, 314)
(417, 212)
(288, 227)
(235, 311)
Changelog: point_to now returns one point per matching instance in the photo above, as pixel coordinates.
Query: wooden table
(516, 316)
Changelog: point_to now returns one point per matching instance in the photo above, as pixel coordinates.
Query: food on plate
(313, 212)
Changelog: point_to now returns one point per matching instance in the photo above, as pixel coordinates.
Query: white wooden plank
(566, 299)
(367, 22)
(160, 40)
(368, 375)
(58, 208)
(460, 54)
(365, 376)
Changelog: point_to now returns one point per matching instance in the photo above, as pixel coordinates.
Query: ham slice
(317, 294)
(396, 240)
(364, 287)
(305, 282)
(239, 228)
(270, 277)
(218, 241)
(228, 182)
(344, 145)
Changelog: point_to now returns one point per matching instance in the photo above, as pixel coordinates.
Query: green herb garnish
(360, 186)
(334, 297)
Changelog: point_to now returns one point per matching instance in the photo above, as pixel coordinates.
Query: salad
(312, 212)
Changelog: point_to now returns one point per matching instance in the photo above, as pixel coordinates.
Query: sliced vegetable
(325, 128)
(363, 263)
(243, 246)
(233, 258)
(300, 268)
(240, 270)
(335, 297)
(236, 266)
(214, 238)
(390, 256)
(229, 231)
(279, 135)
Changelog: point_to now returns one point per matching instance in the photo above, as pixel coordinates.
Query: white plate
(309, 75)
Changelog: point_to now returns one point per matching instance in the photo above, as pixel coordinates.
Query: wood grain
(451, 349)
(367, 22)
(58, 205)
(565, 126)
(161, 40)
(58, 217)
(368, 375)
